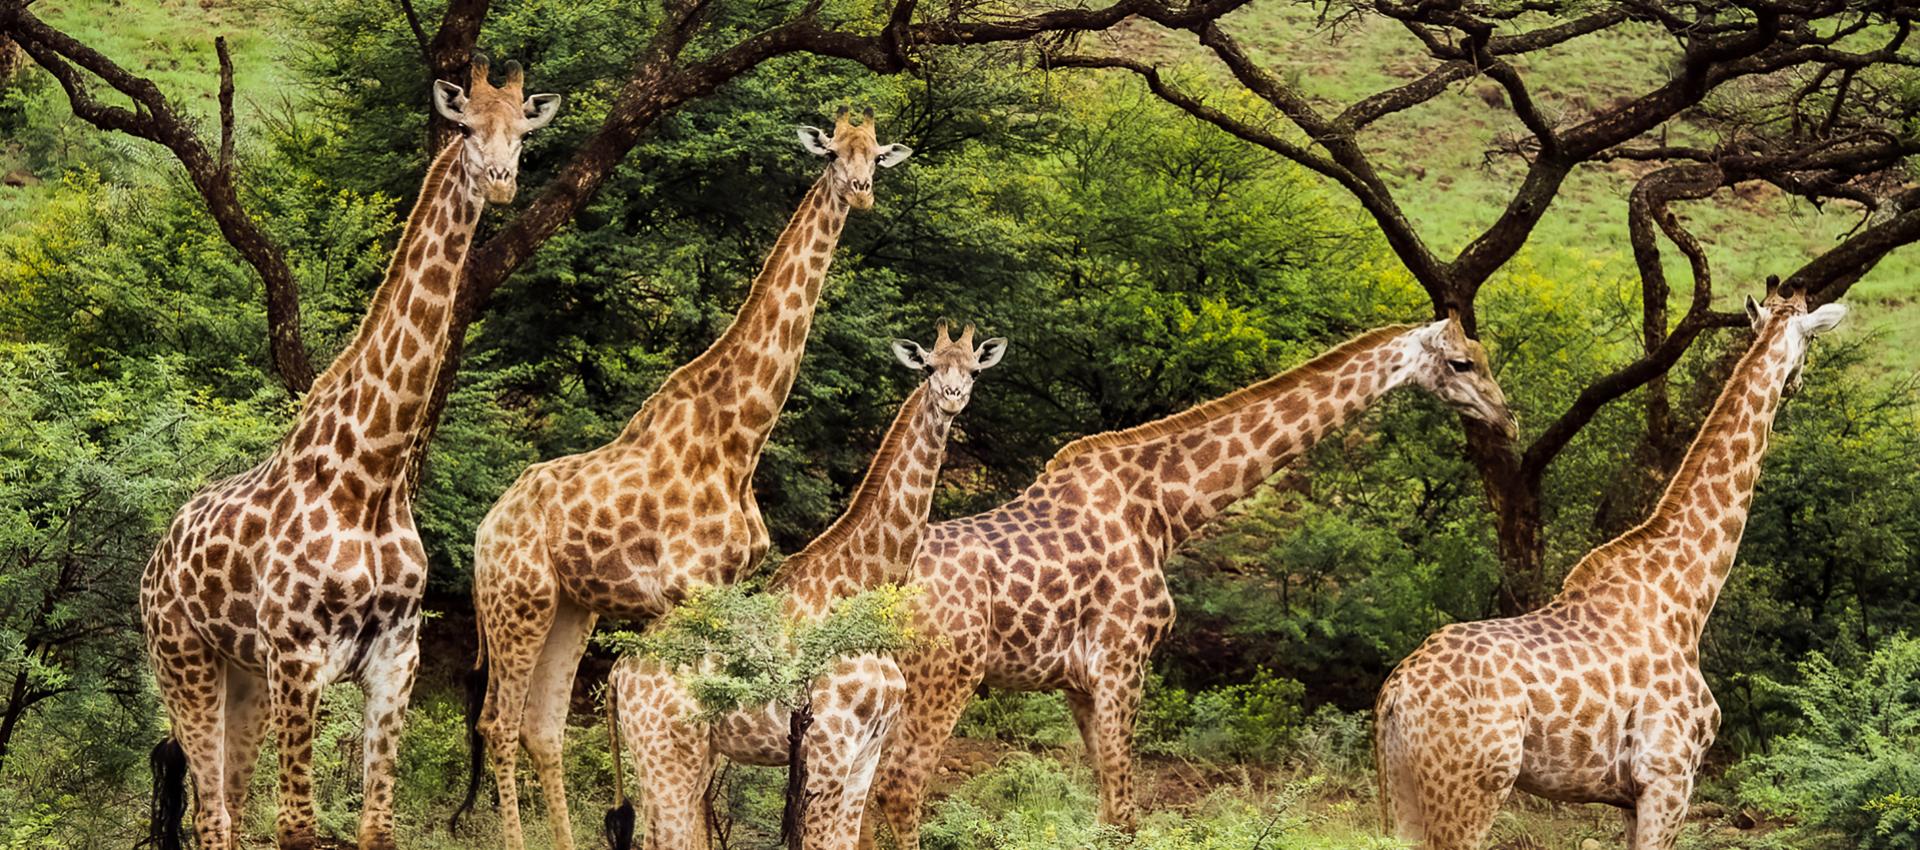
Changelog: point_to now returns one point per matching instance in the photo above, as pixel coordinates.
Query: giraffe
(306, 568)
(1598, 696)
(1062, 588)
(625, 530)
(854, 705)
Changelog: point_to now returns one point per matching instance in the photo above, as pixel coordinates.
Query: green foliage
(1021, 718)
(1852, 766)
(92, 466)
(1255, 721)
(1031, 802)
(740, 649)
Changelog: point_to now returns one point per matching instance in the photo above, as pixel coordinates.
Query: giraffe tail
(476, 687)
(169, 765)
(618, 825)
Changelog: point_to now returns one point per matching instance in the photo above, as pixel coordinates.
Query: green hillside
(1439, 157)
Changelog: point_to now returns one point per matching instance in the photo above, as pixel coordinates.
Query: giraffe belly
(757, 737)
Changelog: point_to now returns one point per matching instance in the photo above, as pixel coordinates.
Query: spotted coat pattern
(855, 705)
(627, 529)
(306, 568)
(1598, 696)
(1062, 588)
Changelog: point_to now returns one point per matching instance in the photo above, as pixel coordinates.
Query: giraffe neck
(1199, 461)
(370, 407)
(750, 368)
(1684, 550)
(870, 544)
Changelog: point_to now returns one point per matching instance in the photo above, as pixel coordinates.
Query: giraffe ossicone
(1597, 696)
(1062, 588)
(307, 568)
(628, 529)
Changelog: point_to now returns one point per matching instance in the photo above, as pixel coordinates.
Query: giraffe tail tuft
(619, 827)
(169, 765)
(476, 687)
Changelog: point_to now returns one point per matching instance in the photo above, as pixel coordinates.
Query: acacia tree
(1828, 118)
(697, 47)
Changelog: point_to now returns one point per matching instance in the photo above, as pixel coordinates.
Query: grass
(1436, 158)
(167, 41)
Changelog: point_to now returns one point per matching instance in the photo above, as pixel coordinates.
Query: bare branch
(156, 120)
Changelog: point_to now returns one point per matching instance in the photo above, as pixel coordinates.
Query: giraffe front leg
(671, 753)
(853, 710)
(1105, 717)
(296, 704)
(1659, 812)
(388, 682)
(913, 750)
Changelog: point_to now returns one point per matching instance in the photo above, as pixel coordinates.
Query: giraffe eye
(1460, 365)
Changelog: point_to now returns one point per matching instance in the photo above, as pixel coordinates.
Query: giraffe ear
(911, 354)
(815, 140)
(540, 109)
(1822, 320)
(1755, 313)
(990, 352)
(450, 101)
(892, 155)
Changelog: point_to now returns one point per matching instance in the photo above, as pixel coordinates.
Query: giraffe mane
(863, 496)
(1672, 499)
(430, 188)
(1232, 402)
(756, 293)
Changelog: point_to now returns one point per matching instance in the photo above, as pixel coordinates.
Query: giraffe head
(951, 366)
(1453, 367)
(493, 120)
(852, 153)
(1785, 312)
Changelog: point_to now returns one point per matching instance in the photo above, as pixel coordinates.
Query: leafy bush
(1255, 721)
(1022, 718)
(1852, 766)
(745, 651)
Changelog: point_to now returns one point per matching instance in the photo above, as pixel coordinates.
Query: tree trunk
(17, 702)
(1514, 491)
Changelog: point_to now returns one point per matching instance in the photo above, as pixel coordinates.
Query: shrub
(1025, 718)
(1852, 768)
(1255, 721)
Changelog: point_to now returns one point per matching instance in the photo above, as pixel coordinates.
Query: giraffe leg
(544, 727)
(854, 709)
(1106, 718)
(1659, 813)
(672, 755)
(388, 681)
(193, 686)
(513, 647)
(1400, 796)
(246, 730)
(1460, 788)
(913, 750)
(295, 689)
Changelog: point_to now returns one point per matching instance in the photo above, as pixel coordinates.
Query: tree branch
(156, 120)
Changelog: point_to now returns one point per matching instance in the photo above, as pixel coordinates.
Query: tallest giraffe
(627, 529)
(306, 568)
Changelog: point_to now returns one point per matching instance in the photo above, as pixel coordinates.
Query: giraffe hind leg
(247, 715)
(193, 686)
(544, 727)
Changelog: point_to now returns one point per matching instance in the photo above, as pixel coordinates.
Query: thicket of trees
(1143, 245)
